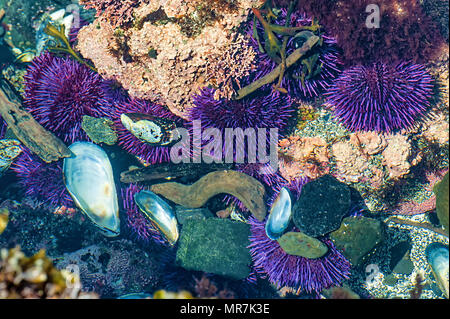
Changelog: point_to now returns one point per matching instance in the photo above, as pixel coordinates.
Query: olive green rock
(300, 244)
(99, 130)
(441, 190)
(357, 236)
(215, 245)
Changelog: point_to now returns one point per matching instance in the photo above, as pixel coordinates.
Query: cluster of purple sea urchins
(268, 110)
(41, 181)
(59, 91)
(295, 81)
(297, 273)
(381, 97)
(149, 153)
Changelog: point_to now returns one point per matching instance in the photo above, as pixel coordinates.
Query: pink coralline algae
(118, 12)
(173, 49)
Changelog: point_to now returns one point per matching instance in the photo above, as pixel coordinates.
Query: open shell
(89, 179)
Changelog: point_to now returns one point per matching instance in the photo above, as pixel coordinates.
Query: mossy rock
(215, 245)
(357, 236)
(441, 189)
(99, 130)
(321, 206)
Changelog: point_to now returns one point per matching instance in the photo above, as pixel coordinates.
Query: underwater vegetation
(59, 91)
(381, 97)
(404, 33)
(312, 73)
(118, 12)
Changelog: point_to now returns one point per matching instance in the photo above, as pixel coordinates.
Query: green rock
(99, 130)
(441, 189)
(405, 266)
(321, 206)
(184, 213)
(215, 245)
(299, 244)
(356, 237)
(390, 280)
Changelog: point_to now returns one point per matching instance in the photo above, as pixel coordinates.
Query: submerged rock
(183, 213)
(215, 245)
(356, 237)
(441, 189)
(99, 130)
(299, 244)
(321, 206)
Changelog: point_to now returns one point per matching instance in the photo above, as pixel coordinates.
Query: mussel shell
(88, 177)
(159, 213)
(437, 257)
(280, 215)
(149, 129)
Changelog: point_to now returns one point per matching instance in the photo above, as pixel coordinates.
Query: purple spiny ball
(42, 182)
(298, 273)
(264, 111)
(137, 222)
(59, 91)
(329, 59)
(381, 97)
(147, 152)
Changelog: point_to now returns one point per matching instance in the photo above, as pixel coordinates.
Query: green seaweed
(59, 34)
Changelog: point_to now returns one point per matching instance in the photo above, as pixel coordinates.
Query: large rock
(441, 189)
(356, 237)
(321, 206)
(215, 245)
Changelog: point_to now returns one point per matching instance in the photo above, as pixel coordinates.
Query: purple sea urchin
(265, 111)
(137, 222)
(262, 111)
(298, 273)
(147, 152)
(328, 59)
(59, 91)
(41, 181)
(381, 97)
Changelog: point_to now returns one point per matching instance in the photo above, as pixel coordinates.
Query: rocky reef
(171, 49)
